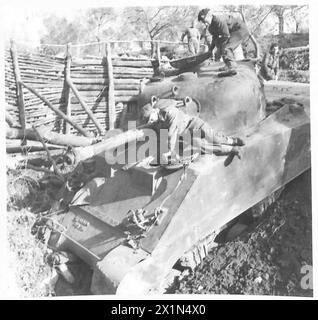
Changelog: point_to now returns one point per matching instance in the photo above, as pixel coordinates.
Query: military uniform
(193, 36)
(178, 123)
(269, 66)
(228, 33)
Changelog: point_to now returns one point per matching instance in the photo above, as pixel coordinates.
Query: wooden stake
(57, 111)
(85, 107)
(9, 119)
(67, 75)
(16, 69)
(158, 52)
(111, 89)
(56, 169)
(70, 85)
(50, 137)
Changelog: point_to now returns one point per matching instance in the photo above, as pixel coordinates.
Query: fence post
(57, 111)
(20, 98)
(67, 75)
(111, 89)
(158, 52)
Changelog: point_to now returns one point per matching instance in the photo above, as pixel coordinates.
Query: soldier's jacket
(222, 26)
(172, 119)
(269, 66)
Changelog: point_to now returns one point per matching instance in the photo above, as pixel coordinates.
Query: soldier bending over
(168, 116)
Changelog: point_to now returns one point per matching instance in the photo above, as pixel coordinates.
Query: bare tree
(98, 19)
(297, 14)
(155, 23)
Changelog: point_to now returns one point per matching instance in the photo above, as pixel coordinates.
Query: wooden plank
(67, 74)
(158, 52)
(115, 61)
(111, 90)
(96, 87)
(85, 107)
(20, 97)
(97, 80)
(57, 111)
(13, 146)
(51, 137)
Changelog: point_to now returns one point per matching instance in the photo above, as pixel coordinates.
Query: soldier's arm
(198, 35)
(276, 66)
(183, 36)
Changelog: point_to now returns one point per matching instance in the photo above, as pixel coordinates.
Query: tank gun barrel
(83, 153)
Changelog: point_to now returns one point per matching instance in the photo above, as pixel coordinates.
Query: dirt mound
(266, 259)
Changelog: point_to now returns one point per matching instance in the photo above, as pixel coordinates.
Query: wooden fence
(93, 93)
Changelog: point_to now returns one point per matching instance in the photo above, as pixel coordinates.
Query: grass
(25, 200)
(27, 255)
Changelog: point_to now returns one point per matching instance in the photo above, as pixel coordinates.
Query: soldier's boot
(234, 141)
(238, 142)
(229, 65)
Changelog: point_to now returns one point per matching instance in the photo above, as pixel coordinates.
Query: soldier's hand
(166, 158)
(169, 157)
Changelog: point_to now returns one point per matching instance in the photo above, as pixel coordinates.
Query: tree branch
(159, 10)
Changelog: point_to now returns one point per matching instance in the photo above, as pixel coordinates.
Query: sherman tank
(137, 222)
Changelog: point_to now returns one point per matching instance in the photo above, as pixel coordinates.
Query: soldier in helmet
(167, 115)
(270, 63)
(228, 33)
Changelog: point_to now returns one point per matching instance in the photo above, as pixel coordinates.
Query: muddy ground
(265, 259)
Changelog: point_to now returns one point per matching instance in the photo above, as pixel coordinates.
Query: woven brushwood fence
(91, 92)
(43, 73)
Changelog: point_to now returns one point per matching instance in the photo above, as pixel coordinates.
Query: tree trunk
(281, 24)
(297, 27)
(153, 49)
(255, 43)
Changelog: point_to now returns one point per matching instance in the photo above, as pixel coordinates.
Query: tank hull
(277, 151)
(198, 200)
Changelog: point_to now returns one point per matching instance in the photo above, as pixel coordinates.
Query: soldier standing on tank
(167, 115)
(193, 37)
(227, 32)
(270, 63)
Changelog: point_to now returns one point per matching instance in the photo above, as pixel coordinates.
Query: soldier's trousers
(228, 47)
(194, 46)
(206, 132)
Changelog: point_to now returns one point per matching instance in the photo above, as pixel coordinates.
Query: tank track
(197, 253)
